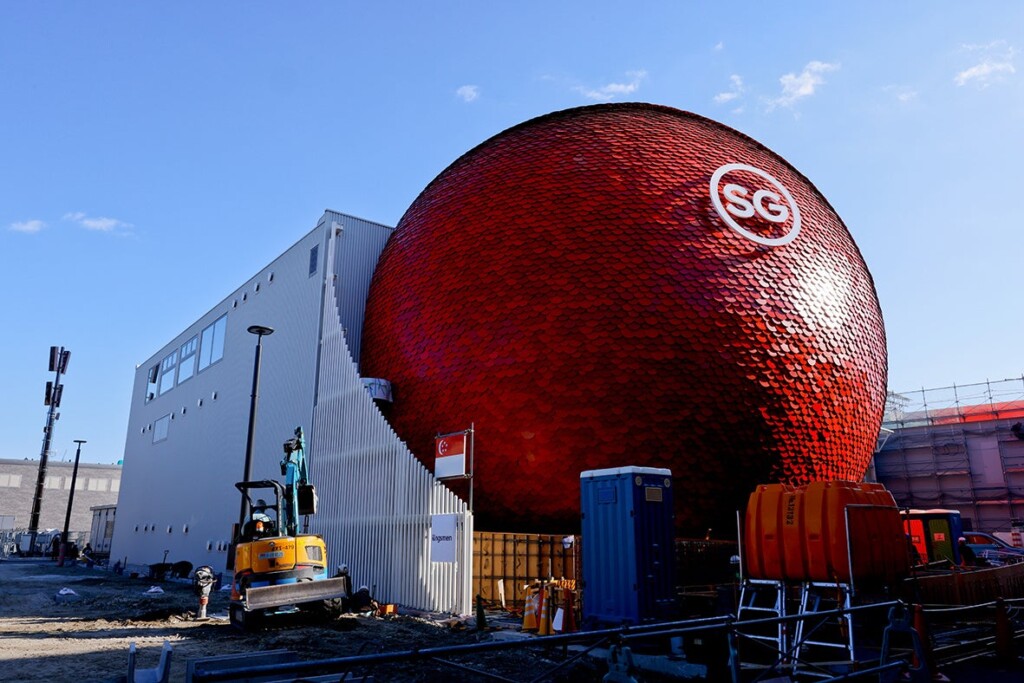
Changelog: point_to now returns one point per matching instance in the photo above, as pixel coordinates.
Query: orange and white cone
(569, 618)
(530, 611)
(544, 614)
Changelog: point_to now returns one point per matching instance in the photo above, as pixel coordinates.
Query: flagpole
(472, 453)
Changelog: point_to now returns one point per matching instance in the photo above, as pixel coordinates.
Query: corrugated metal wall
(377, 516)
(178, 494)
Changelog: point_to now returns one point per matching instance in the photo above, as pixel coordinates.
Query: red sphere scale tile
(628, 284)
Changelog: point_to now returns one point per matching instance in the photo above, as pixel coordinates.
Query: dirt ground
(86, 638)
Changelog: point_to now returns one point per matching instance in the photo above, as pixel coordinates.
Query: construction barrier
(969, 587)
(505, 564)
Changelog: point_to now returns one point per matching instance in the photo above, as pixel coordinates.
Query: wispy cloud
(99, 224)
(610, 91)
(468, 93)
(735, 90)
(902, 93)
(994, 63)
(796, 87)
(719, 46)
(29, 227)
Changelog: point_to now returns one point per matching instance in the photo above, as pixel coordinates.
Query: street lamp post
(71, 501)
(260, 331)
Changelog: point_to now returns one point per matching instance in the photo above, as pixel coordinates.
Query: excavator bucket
(294, 593)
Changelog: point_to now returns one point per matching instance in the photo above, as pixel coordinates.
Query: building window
(10, 481)
(52, 483)
(187, 366)
(314, 254)
(160, 428)
(152, 380)
(115, 485)
(211, 345)
(167, 366)
(98, 484)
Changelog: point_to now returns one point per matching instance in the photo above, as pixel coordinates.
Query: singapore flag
(450, 456)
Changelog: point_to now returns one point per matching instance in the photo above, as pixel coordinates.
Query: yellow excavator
(278, 570)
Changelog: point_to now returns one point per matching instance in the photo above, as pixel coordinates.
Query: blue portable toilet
(628, 545)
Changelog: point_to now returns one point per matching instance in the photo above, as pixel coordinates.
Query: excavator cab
(264, 519)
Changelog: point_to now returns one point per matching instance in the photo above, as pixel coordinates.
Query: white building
(187, 429)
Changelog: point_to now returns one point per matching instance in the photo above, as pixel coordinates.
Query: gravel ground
(44, 638)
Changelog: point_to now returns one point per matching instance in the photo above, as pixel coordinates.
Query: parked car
(995, 550)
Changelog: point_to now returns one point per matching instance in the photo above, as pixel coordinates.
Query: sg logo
(774, 205)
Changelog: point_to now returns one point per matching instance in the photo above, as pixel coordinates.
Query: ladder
(831, 633)
(764, 599)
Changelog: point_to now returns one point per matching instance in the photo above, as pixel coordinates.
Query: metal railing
(725, 627)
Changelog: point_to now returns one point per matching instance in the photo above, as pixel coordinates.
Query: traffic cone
(1005, 650)
(544, 614)
(921, 626)
(530, 611)
(481, 617)
(569, 620)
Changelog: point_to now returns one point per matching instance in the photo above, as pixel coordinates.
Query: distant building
(957, 447)
(96, 485)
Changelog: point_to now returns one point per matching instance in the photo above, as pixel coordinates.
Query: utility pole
(58, 364)
(71, 500)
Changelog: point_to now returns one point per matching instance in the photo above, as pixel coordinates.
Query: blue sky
(153, 156)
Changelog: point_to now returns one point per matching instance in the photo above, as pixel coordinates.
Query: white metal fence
(377, 515)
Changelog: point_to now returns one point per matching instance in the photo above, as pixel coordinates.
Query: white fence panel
(376, 497)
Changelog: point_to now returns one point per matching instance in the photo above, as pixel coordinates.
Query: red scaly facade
(570, 287)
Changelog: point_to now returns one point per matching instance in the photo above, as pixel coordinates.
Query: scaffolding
(959, 447)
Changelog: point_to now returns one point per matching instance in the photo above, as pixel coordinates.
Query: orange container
(800, 534)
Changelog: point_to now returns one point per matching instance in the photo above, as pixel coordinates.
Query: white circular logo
(776, 206)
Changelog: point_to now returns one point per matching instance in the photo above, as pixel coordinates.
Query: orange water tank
(800, 533)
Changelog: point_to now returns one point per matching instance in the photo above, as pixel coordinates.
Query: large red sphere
(628, 285)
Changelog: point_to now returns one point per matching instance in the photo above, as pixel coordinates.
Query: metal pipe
(472, 444)
(71, 500)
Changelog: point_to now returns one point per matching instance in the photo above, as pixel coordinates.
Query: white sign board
(442, 538)
(450, 467)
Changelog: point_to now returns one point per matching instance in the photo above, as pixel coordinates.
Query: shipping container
(102, 529)
(628, 545)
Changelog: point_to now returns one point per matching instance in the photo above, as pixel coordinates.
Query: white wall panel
(378, 499)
